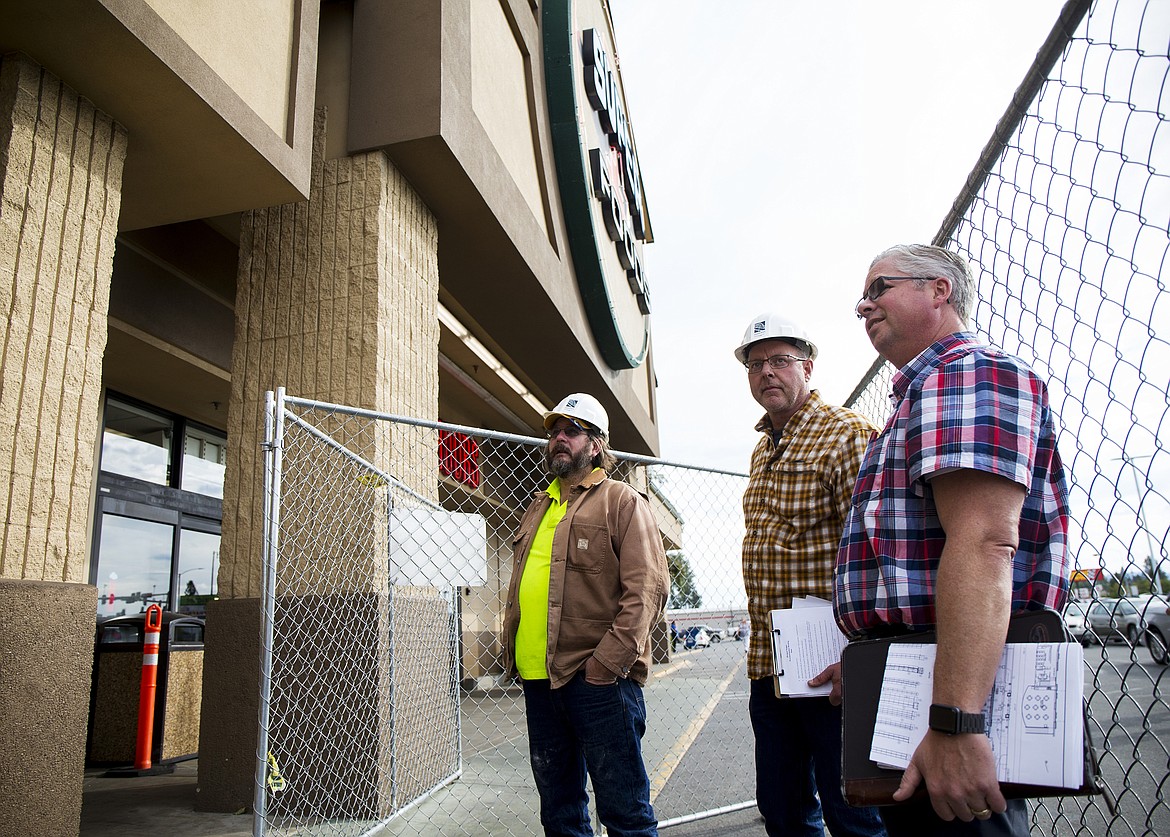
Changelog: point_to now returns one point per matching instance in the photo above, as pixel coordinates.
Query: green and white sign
(600, 182)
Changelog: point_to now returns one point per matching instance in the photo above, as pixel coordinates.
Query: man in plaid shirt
(958, 518)
(798, 493)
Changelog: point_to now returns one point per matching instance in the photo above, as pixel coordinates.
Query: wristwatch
(951, 720)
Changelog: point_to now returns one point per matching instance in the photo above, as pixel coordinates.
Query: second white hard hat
(582, 407)
(770, 326)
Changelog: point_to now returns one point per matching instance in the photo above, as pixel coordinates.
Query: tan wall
(336, 300)
(62, 168)
(59, 188)
(501, 82)
(46, 646)
(250, 44)
(114, 730)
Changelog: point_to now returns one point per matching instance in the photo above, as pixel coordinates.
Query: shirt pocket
(797, 493)
(589, 549)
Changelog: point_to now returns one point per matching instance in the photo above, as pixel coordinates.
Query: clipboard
(863, 667)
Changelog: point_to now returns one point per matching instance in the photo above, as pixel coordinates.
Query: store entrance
(158, 514)
(151, 555)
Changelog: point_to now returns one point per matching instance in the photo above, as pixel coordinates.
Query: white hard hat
(582, 407)
(770, 326)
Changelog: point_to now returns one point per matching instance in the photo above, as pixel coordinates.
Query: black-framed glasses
(570, 431)
(880, 285)
(777, 362)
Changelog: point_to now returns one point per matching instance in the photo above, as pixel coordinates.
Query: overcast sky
(782, 145)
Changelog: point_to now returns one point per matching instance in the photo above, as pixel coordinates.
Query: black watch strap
(951, 720)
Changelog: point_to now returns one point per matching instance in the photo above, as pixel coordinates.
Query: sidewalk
(494, 795)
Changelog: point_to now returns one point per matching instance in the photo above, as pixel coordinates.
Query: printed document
(805, 641)
(1034, 714)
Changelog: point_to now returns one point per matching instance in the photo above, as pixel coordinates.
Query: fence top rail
(494, 435)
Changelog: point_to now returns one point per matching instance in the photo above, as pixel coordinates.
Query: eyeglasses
(777, 362)
(570, 431)
(880, 285)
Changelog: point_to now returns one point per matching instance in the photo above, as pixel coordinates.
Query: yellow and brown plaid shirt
(794, 512)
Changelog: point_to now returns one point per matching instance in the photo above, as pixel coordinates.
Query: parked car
(715, 634)
(1114, 619)
(1076, 619)
(1156, 618)
(696, 637)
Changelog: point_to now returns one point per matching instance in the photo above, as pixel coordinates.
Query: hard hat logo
(581, 407)
(774, 327)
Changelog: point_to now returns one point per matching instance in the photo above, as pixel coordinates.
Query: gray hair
(928, 260)
(604, 458)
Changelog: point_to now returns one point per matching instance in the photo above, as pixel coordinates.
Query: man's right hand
(959, 771)
(832, 673)
(598, 673)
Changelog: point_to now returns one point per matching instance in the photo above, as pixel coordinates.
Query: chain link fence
(389, 540)
(1064, 221)
(386, 709)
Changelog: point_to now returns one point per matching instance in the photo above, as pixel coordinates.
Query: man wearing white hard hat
(589, 581)
(801, 479)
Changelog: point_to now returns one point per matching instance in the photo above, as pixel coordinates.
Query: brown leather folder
(863, 667)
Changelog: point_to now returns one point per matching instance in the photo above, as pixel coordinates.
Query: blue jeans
(918, 817)
(798, 758)
(581, 727)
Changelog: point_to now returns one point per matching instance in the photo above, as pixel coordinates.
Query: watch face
(944, 719)
(952, 720)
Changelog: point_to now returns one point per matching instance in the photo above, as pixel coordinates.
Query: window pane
(136, 443)
(198, 564)
(134, 565)
(204, 460)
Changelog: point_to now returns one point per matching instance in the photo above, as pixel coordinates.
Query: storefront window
(134, 568)
(137, 443)
(198, 564)
(204, 461)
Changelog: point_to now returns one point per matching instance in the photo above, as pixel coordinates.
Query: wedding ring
(982, 812)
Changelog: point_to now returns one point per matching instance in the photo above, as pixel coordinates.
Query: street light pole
(1155, 571)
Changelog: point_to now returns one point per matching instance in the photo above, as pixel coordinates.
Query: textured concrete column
(337, 300)
(60, 193)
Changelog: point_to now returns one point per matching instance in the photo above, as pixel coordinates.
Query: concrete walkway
(694, 750)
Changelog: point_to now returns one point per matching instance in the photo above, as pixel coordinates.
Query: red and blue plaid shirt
(960, 404)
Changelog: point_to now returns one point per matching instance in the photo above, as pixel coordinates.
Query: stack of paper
(1034, 715)
(805, 641)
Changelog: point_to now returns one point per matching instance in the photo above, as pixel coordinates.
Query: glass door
(134, 564)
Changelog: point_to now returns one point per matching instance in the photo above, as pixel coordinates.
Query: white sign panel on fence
(437, 548)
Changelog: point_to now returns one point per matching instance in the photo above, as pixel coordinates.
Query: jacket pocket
(589, 549)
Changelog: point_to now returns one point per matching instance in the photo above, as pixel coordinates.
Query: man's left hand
(598, 673)
(832, 673)
(959, 771)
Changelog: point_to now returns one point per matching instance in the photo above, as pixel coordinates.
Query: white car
(1076, 619)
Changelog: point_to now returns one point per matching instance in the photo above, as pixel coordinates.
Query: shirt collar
(813, 402)
(591, 479)
(927, 359)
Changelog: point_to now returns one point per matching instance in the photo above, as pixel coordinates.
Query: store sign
(600, 181)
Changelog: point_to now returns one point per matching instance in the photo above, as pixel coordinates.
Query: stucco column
(337, 301)
(60, 193)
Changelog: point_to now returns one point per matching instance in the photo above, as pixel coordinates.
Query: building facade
(431, 209)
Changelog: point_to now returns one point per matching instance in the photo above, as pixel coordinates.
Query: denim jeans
(581, 727)
(918, 817)
(798, 758)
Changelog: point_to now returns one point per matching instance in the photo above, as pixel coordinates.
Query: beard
(565, 467)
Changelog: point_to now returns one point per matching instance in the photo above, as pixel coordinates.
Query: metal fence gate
(388, 553)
